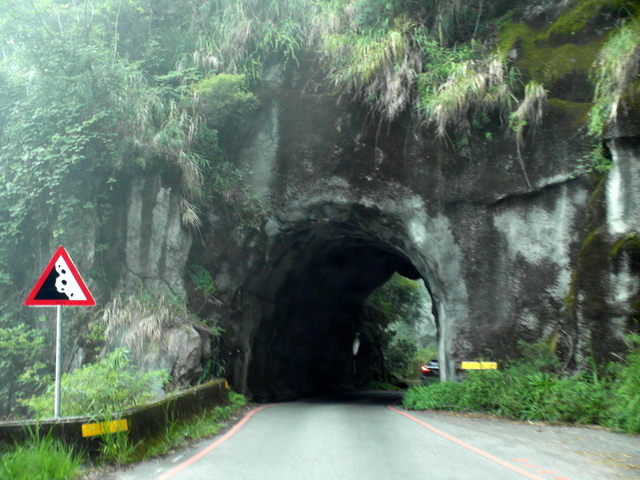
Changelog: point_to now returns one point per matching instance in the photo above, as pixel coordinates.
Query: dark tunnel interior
(306, 347)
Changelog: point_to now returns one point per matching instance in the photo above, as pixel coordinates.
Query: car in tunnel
(431, 369)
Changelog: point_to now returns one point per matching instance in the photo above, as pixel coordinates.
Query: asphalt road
(364, 436)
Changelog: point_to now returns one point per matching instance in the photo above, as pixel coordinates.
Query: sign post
(56, 401)
(60, 284)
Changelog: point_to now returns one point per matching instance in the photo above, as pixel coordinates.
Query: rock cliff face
(354, 201)
(510, 247)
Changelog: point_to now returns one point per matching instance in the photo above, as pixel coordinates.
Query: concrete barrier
(142, 421)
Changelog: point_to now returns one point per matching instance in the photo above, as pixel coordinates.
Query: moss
(543, 62)
(511, 33)
(588, 241)
(542, 57)
(578, 112)
(550, 64)
(598, 191)
(631, 240)
(579, 16)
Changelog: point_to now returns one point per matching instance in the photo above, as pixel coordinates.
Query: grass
(45, 458)
(179, 434)
(537, 390)
(42, 458)
(616, 76)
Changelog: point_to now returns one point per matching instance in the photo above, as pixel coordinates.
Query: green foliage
(109, 386)
(203, 280)
(93, 93)
(398, 298)
(543, 396)
(617, 76)
(177, 434)
(376, 65)
(443, 395)
(384, 52)
(221, 96)
(399, 356)
(625, 410)
(241, 36)
(42, 458)
(598, 160)
(20, 355)
(398, 307)
(530, 389)
(140, 318)
(465, 84)
(116, 447)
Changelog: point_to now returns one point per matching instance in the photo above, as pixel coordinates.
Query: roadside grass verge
(45, 458)
(179, 434)
(538, 390)
(42, 458)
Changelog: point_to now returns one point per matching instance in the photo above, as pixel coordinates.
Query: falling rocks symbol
(48, 290)
(60, 284)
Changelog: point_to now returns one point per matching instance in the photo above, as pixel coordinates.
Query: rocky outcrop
(156, 245)
(155, 248)
(182, 351)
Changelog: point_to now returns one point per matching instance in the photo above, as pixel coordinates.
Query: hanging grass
(617, 76)
(378, 67)
(141, 319)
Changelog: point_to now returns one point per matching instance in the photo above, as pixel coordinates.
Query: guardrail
(141, 421)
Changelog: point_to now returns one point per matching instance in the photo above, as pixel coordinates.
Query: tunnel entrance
(308, 307)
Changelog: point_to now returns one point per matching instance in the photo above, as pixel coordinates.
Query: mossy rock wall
(505, 259)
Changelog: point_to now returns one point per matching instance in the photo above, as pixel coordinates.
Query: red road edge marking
(457, 441)
(181, 466)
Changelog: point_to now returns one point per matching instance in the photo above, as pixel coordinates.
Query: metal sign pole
(56, 404)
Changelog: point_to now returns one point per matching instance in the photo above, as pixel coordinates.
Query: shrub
(577, 400)
(106, 387)
(543, 396)
(438, 396)
(482, 391)
(625, 409)
(535, 389)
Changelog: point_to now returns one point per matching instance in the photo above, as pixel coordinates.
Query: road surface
(368, 436)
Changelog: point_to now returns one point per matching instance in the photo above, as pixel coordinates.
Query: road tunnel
(304, 310)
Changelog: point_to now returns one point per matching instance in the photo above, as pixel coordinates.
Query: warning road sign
(60, 284)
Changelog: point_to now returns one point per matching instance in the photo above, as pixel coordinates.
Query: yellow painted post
(478, 365)
(93, 429)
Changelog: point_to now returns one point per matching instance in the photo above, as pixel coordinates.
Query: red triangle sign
(60, 284)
